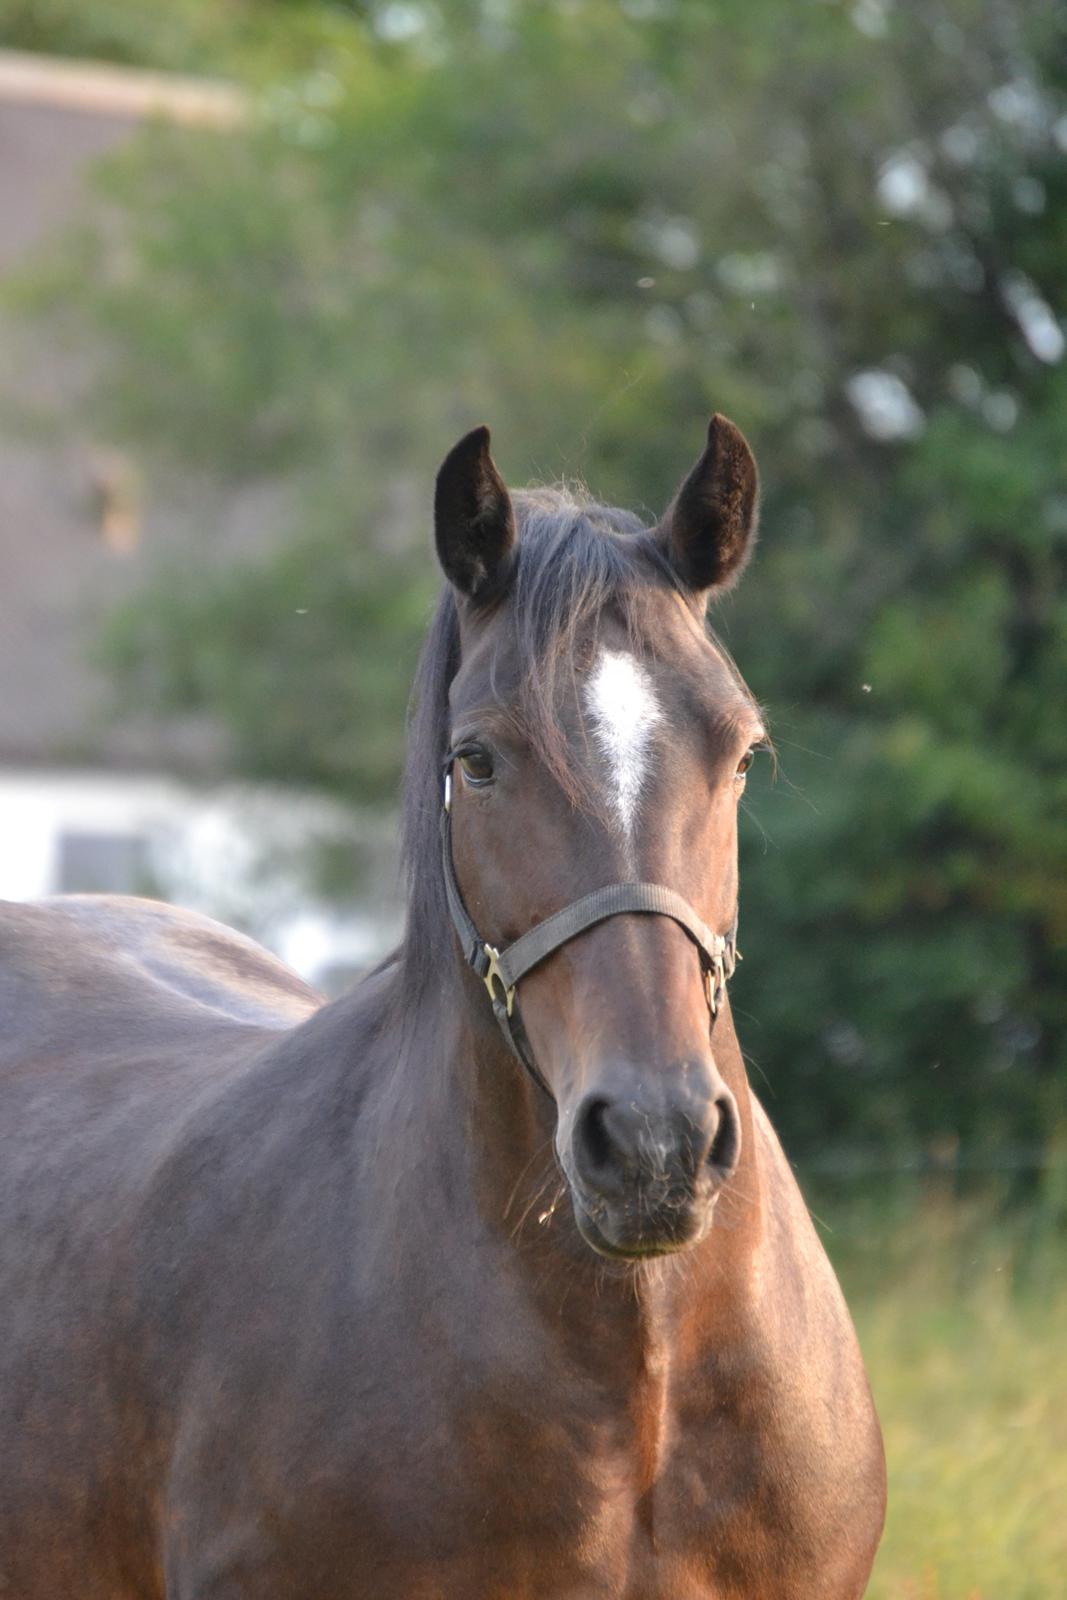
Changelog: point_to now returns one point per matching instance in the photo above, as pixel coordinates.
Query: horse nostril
(618, 1141)
(592, 1134)
(725, 1145)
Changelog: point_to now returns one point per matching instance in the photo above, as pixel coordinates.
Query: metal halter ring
(493, 972)
(714, 984)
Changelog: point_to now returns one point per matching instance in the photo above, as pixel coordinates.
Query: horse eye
(477, 766)
(745, 762)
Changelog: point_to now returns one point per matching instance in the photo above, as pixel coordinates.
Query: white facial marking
(623, 708)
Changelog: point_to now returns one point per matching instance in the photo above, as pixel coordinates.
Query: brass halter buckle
(714, 983)
(715, 976)
(493, 972)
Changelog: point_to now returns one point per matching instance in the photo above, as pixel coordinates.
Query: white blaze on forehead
(623, 708)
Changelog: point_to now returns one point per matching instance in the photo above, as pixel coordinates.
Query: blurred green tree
(591, 224)
(256, 39)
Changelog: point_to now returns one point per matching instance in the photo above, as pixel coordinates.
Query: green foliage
(252, 38)
(249, 645)
(591, 224)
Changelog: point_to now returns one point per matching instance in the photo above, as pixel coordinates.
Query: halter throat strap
(502, 970)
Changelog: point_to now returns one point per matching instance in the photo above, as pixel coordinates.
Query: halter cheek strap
(502, 970)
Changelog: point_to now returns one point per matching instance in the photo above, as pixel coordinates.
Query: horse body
(295, 1304)
(288, 1408)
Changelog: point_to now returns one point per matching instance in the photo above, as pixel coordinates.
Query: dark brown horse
(489, 1279)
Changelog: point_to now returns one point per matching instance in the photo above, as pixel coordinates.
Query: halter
(502, 970)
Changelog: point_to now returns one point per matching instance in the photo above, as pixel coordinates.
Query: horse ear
(709, 530)
(474, 523)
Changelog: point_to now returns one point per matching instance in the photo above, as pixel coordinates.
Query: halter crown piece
(502, 970)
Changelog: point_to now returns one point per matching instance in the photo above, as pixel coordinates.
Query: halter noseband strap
(502, 970)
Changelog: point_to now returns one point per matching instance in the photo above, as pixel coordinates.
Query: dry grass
(963, 1319)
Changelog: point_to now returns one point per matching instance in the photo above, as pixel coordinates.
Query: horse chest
(524, 1492)
(650, 1509)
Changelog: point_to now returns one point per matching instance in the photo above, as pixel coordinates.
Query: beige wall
(81, 524)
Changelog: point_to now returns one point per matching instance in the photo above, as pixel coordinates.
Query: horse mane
(575, 558)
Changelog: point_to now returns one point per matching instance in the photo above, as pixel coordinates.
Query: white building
(89, 801)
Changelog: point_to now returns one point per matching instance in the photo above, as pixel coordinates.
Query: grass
(962, 1314)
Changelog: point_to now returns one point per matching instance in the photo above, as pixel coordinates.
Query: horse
(488, 1279)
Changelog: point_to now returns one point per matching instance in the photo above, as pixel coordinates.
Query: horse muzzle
(645, 1176)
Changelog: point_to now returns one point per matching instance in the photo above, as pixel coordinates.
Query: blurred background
(261, 261)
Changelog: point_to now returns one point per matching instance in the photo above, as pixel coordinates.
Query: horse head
(594, 745)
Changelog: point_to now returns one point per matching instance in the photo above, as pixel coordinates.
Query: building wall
(85, 803)
(81, 525)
